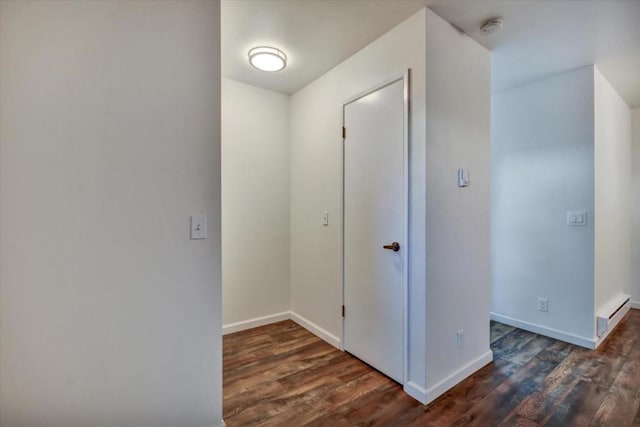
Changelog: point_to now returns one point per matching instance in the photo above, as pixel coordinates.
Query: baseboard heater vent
(615, 312)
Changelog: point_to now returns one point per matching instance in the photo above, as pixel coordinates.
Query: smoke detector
(493, 25)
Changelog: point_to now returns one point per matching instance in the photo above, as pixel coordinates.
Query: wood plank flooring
(282, 375)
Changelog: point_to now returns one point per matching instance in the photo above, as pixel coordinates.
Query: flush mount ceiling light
(493, 25)
(267, 58)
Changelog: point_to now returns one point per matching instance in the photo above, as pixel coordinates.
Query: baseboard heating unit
(609, 317)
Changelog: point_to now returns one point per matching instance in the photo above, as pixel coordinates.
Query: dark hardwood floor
(281, 374)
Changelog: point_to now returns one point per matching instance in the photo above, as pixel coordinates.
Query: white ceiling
(540, 37)
(316, 35)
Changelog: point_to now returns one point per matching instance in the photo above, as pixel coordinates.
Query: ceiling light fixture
(267, 58)
(493, 25)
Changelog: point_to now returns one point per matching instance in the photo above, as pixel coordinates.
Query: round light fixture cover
(267, 58)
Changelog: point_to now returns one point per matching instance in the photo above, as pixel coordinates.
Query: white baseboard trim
(277, 317)
(543, 330)
(635, 304)
(443, 386)
(316, 330)
(255, 322)
(416, 391)
(613, 322)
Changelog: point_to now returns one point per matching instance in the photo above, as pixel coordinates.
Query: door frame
(404, 77)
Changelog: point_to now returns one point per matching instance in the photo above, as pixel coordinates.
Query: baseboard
(316, 330)
(461, 374)
(255, 322)
(416, 391)
(543, 330)
(613, 322)
(635, 304)
(277, 317)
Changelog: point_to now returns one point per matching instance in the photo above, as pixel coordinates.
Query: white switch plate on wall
(463, 178)
(198, 227)
(577, 218)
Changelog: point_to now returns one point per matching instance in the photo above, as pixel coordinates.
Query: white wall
(455, 294)
(316, 120)
(635, 212)
(612, 195)
(457, 228)
(255, 204)
(109, 140)
(542, 166)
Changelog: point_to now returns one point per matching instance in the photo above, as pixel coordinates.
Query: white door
(374, 218)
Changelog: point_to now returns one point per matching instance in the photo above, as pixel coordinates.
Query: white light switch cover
(577, 218)
(198, 227)
(463, 178)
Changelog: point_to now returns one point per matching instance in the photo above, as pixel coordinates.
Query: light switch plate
(198, 227)
(577, 218)
(463, 178)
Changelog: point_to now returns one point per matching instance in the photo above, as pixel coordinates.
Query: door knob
(395, 246)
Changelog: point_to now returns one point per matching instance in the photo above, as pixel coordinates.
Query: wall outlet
(543, 304)
(460, 338)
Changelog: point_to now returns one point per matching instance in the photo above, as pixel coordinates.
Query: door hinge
(343, 311)
(344, 132)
